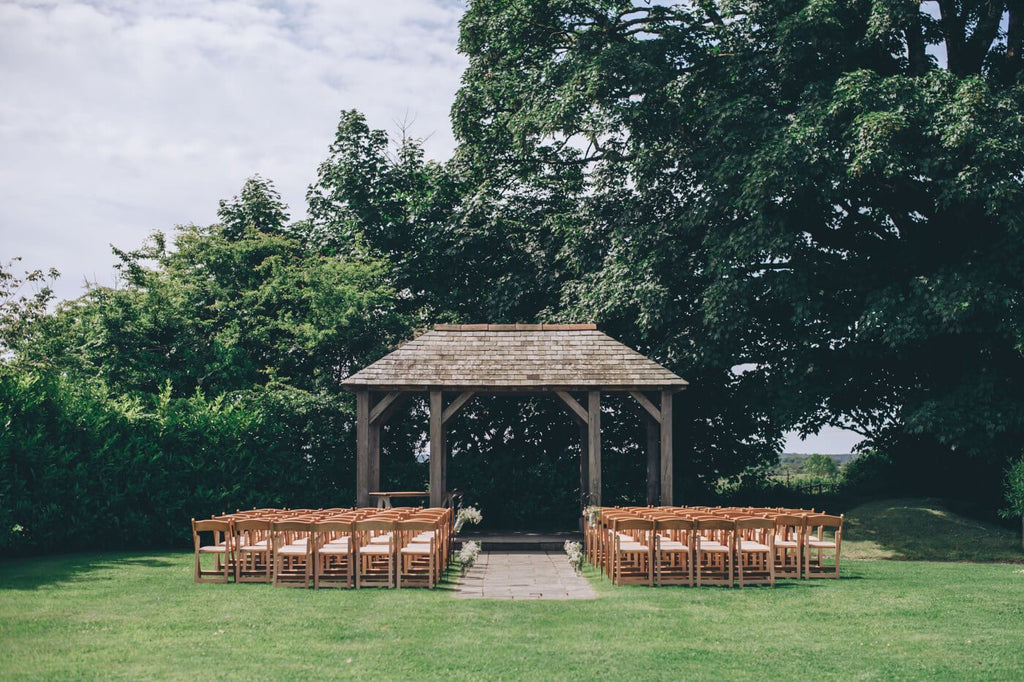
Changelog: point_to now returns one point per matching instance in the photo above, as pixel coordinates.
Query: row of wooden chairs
(712, 545)
(325, 547)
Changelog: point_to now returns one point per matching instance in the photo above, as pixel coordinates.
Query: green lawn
(141, 616)
(923, 529)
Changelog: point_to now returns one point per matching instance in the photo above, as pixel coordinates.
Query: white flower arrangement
(574, 551)
(591, 514)
(467, 515)
(467, 554)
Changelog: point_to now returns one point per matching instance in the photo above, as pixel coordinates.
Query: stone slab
(523, 575)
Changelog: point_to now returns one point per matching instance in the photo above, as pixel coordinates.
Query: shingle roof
(514, 357)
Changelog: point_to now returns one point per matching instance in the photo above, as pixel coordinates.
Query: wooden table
(384, 498)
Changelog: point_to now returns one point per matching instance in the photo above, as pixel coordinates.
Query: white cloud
(120, 118)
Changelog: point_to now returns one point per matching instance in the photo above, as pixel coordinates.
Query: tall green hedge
(82, 469)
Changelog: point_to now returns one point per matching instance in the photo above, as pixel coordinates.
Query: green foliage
(797, 188)
(821, 466)
(21, 311)
(1015, 490)
(81, 468)
(208, 381)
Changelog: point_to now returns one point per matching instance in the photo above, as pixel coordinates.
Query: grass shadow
(36, 573)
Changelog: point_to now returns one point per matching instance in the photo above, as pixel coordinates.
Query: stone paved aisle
(523, 575)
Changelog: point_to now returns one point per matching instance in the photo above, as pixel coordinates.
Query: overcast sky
(122, 117)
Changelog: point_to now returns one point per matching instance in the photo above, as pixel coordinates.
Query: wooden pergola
(574, 362)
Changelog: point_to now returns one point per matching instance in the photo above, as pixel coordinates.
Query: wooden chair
(714, 550)
(334, 546)
(375, 553)
(292, 553)
(442, 534)
(252, 550)
(632, 553)
(755, 551)
(221, 547)
(824, 534)
(673, 551)
(418, 559)
(789, 545)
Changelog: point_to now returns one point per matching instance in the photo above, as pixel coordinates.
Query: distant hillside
(840, 459)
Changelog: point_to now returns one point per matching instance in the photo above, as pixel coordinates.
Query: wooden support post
(436, 449)
(666, 448)
(653, 429)
(362, 448)
(594, 446)
(373, 467)
(584, 465)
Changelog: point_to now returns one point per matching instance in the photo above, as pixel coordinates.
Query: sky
(119, 118)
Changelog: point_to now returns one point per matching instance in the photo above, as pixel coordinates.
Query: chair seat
(633, 547)
(713, 547)
(293, 550)
(672, 546)
(259, 547)
(785, 543)
(216, 549)
(416, 548)
(381, 539)
(375, 549)
(334, 550)
(751, 546)
(817, 544)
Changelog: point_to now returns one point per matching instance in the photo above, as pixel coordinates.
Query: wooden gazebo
(574, 362)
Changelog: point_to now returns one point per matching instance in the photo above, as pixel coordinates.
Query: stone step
(519, 541)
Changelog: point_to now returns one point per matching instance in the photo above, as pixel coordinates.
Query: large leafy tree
(230, 306)
(825, 194)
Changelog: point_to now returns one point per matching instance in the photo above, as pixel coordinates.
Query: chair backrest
(375, 524)
(717, 523)
(823, 522)
(333, 526)
(674, 523)
(754, 523)
(415, 526)
(211, 525)
(633, 523)
(291, 526)
(249, 524)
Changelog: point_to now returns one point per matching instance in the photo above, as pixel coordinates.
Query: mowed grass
(923, 529)
(140, 616)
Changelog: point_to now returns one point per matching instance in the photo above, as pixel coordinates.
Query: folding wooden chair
(221, 548)
(714, 551)
(252, 550)
(334, 547)
(824, 534)
(789, 545)
(417, 553)
(293, 553)
(673, 551)
(375, 553)
(632, 553)
(755, 551)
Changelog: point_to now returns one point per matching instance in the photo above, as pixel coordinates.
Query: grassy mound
(922, 529)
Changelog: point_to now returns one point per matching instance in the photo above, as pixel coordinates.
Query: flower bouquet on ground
(467, 555)
(574, 551)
